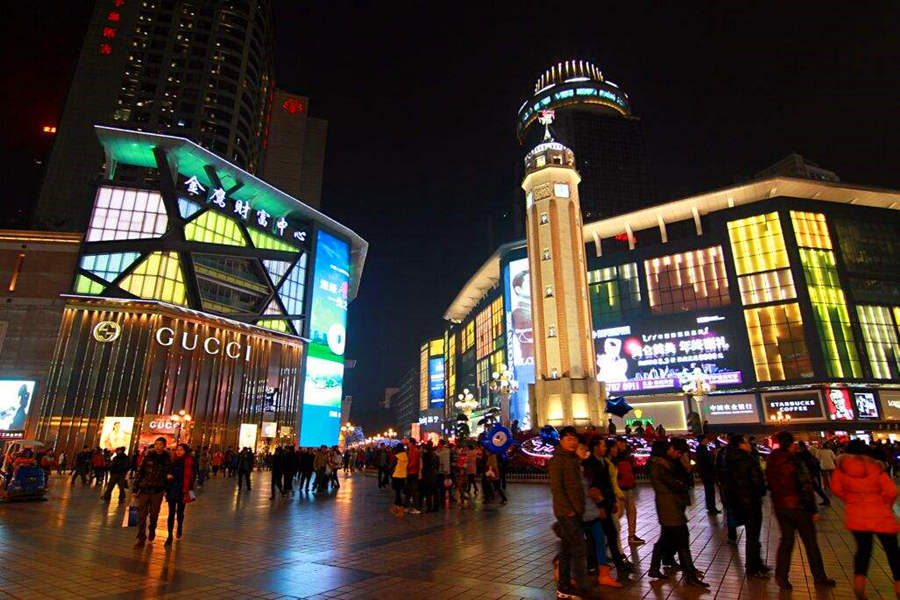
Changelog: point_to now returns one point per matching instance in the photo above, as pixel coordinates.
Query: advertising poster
(801, 406)
(839, 406)
(866, 405)
(15, 398)
(269, 429)
(665, 354)
(436, 381)
(323, 387)
(247, 436)
(116, 432)
(520, 336)
(155, 426)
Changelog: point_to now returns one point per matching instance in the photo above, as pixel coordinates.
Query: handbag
(131, 516)
(189, 496)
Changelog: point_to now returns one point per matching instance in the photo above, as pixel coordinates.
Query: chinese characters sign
(110, 27)
(739, 408)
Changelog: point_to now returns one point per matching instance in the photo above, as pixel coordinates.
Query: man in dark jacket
(291, 466)
(307, 459)
(118, 474)
(277, 465)
(82, 466)
(744, 488)
(706, 459)
(244, 467)
(795, 509)
(568, 506)
(149, 487)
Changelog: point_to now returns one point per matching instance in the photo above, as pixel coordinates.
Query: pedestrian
(815, 471)
(291, 466)
(444, 479)
(472, 471)
(600, 467)
(564, 470)
(671, 493)
(598, 507)
(795, 508)
(149, 487)
(611, 427)
(61, 464)
(624, 461)
(82, 466)
(492, 474)
(398, 479)
(429, 462)
(119, 466)
(204, 463)
(706, 463)
(217, 458)
(412, 477)
(179, 488)
(862, 482)
(243, 466)
(277, 465)
(320, 466)
(827, 464)
(307, 461)
(383, 462)
(745, 487)
(334, 466)
(98, 464)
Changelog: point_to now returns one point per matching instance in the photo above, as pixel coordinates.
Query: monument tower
(566, 390)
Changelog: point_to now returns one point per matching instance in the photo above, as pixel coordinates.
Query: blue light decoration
(498, 439)
(323, 385)
(549, 435)
(519, 337)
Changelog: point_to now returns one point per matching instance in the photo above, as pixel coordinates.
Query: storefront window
(615, 294)
(688, 281)
(158, 277)
(880, 337)
(771, 286)
(777, 342)
(757, 244)
(832, 316)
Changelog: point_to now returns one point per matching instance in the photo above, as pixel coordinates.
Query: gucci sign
(166, 336)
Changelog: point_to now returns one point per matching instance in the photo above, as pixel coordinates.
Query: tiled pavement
(348, 545)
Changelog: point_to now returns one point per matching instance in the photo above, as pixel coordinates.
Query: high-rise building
(592, 117)
(794, 165)
(295, 151)
(196, 70)
(566, 376)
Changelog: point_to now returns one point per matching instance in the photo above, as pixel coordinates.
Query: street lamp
(347, 429)
(182, 418)
(466, 402)
(504, 384)
(697, 386)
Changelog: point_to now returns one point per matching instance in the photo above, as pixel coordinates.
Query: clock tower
(566, 390)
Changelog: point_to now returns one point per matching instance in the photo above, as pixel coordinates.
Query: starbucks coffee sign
(166, 336)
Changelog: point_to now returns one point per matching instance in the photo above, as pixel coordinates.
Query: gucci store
(207, 307)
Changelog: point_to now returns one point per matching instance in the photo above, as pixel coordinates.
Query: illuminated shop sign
(519, 336)
(666, 354)
(866, 405)
(436, 380)
(838, 403)
(538, 448)
(739, 408)
(801, 406)
(322, 389)
(165, 336)
(242, 209)
(429, 420)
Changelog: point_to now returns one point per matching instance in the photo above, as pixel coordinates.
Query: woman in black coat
(179, 487)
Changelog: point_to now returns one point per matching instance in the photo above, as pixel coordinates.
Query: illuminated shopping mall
(207, 306)
(771, 303)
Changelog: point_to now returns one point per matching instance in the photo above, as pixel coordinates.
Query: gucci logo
(106, 331)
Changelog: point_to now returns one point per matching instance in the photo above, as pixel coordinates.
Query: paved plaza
(348, 545)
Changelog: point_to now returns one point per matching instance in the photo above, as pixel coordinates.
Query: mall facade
(747, 305)
(206, 306)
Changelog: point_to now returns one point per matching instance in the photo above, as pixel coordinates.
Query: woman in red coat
(869, 494)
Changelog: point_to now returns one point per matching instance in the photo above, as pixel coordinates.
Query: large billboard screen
(15, 398)
(116, 432)
(665, 354)
(436, 381)
(323, 387)
(520, 336)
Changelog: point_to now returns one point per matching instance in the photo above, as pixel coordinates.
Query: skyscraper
(593, 117)
(200, 70)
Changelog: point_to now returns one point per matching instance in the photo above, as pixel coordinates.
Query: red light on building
(118, 3)
(292, 105)
(623, 237)
(113, 16)
(108, 32)
(49, 129)
(105, 49)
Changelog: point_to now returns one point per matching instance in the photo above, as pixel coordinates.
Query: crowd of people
(587, 472)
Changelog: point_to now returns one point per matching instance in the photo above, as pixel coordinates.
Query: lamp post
(347, 429)
(466, 402)
(504, 384)
(182, 418)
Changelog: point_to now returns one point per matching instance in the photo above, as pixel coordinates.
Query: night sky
(421, 105)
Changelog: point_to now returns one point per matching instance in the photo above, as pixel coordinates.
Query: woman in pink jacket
(869, 494)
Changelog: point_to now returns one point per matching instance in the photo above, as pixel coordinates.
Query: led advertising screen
(247, 436)
(323, 387)
(838, 403)
(519, 336)
(436, 381)
(15, 398)
(866, 405)
(116, 432)
(665, 354)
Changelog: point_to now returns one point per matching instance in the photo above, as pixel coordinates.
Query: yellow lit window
(483, 333)
(468, 336)
(811, 230)
(880, 337)
(692, 280)
(436, 347)
(423, 378)
(158, 277)
(757, 244)
(770, 286)
(777, 342)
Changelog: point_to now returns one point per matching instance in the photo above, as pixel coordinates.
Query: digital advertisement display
(116, 432)
(436, 381)
(801, 406)
(269, 429)
(155, 426)
(866, 405)
(15, 398)
(665, 354)
(247, 436)
(519, 336)
(838, 403)
(323, 386)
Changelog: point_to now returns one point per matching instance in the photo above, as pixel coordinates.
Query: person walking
(179, 489)
(204, 462)
(862, 482)
(492, 475)
(412, 477)
(599, 469)
(383, 464)
(745, 487)
(610, 427)
(670, 488)
(827, 464)
(148, 489)
(118, 475)
(566, 489)
(429, 462)
(307, 466)
(706, 459)
(815, 471)
(291, 466)
(98, 464)
(82, 466)
(61, 464)
(624, 462)
(320, 466)
(398, 479)
(277, 465)
(795, 508)
(244, 467)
